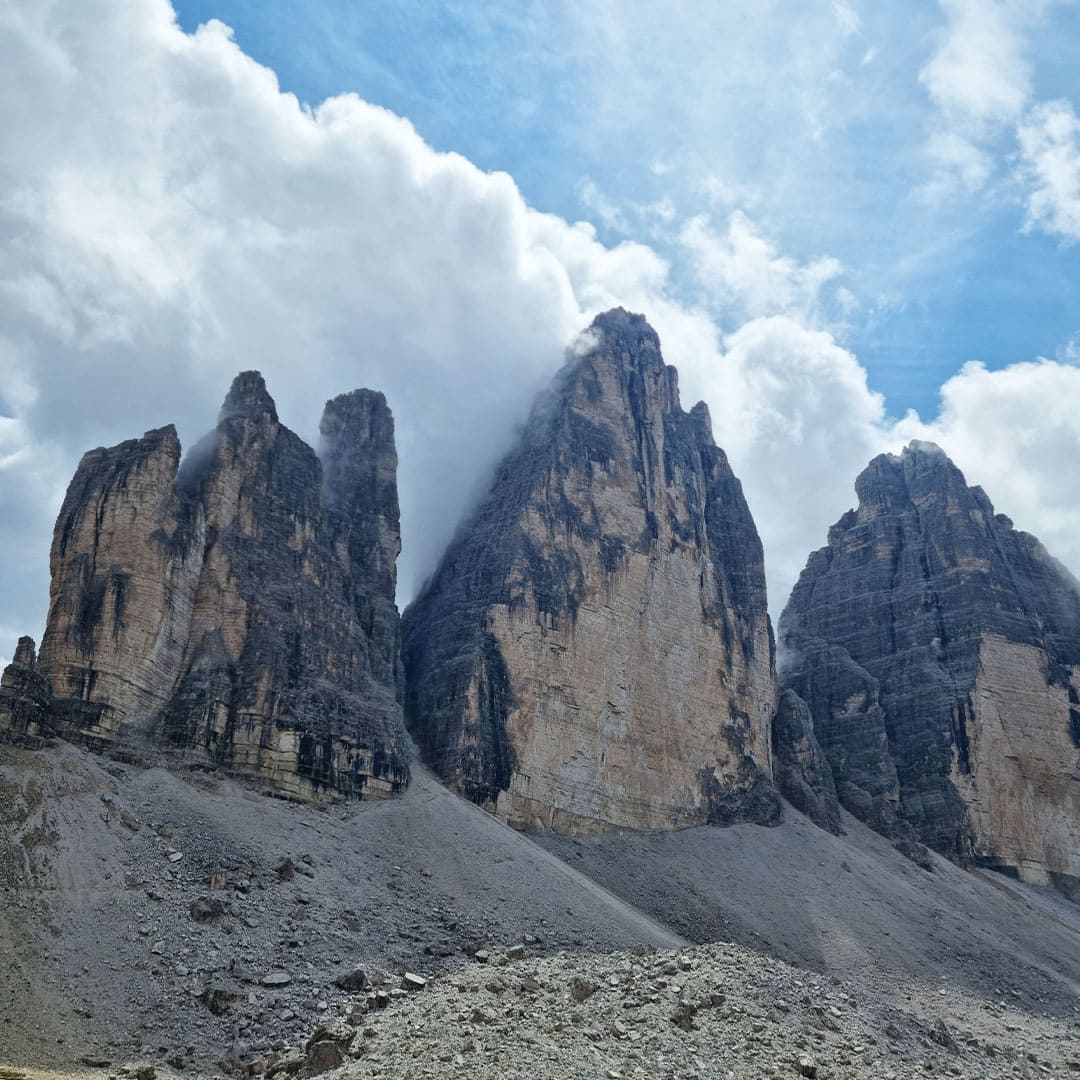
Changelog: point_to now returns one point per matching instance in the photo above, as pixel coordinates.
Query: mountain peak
(248, 397)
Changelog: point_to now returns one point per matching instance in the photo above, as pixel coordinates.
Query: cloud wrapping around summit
(170, 217)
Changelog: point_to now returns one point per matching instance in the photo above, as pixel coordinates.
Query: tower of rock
(594, 649)
(236, 606)
(938, 650)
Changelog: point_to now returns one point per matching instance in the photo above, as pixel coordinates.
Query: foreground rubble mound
(712, 1011)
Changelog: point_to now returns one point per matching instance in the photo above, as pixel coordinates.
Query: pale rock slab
(594, 650)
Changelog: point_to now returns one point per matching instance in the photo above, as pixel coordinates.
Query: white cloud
(960, 166)
(980, 72)
(847, 18)
(1050, 164)
(794, 412)
(168, 217)
(741, 267)
(979, 80)
(1016, 431)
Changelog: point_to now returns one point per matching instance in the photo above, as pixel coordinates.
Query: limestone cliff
(800, 769)
(938, 649)
(237, 607)
(25, 695)
(594, 650)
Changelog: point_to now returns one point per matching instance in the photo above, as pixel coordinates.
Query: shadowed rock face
(239, 606)
(25, 695)
(938, 649)
(594, 649)
(800, 769)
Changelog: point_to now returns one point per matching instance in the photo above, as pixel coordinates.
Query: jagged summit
(938, 649)
(593, 650)
(229, 614)
(249, 398)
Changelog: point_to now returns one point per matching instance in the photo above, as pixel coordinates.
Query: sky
(852, 224)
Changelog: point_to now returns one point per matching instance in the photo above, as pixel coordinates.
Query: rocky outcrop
(25, 695)
(237, 606)
(800, 769)
(594, 650)
(938, 649)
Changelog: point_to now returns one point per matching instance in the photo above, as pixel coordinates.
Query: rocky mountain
(800, 769)
(938, 650)
(236, 606)
(594, 649)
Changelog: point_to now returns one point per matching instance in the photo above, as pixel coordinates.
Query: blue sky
(851, 223)
(826, 151)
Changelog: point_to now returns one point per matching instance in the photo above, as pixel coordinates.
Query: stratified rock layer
(594, 649)
(938, 649)
(25, 695)
(239, 607)
(800, 769)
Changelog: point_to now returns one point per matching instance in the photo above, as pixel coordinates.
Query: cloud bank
(169, 217)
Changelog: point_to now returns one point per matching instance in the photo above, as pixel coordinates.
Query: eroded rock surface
(938, 649)
(25, 695)
(801, 770)
(594, 649)
(237, 607)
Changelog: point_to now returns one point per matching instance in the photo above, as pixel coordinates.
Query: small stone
(411, 981)
(217, 998)
(206, 909)
(175, 856)
(277, 978)
(683, 1017)
(322, 1056)
(581, 989)
(354, 979)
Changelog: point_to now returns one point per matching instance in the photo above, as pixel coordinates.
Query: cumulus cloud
(1016, 431)
(795, 413)
(169, 217)
(979, 80)
(742, 268)
(1050, 163)
(979, 74)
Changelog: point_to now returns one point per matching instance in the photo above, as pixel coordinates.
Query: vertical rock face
(25, 695)
(239, 606)
(938, 649)
(800, 769)
(594, 649)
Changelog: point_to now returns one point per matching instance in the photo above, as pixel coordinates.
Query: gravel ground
(103, 958)
(711, 1011)
(142, 912)
(849, 905)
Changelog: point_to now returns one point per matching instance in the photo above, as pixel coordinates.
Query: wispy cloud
(1050, 164)
(743, 269)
